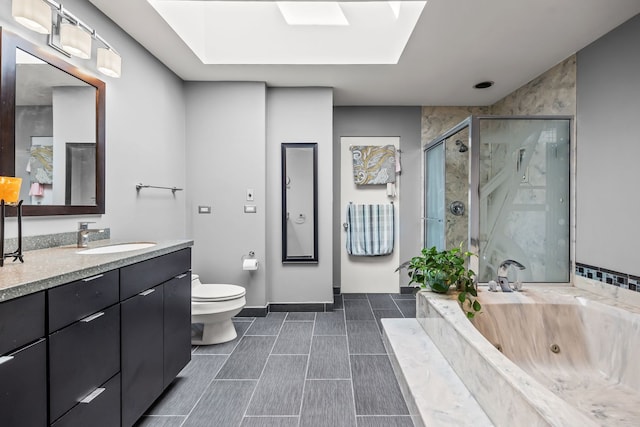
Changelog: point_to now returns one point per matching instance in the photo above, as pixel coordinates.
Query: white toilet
(214, 305)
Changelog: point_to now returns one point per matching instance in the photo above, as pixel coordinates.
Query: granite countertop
(47, 268)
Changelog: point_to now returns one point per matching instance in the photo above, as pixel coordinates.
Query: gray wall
(383, 121)
(608, 129)
(300, 115)
(144, 138)
(225, 157)
(234, 132)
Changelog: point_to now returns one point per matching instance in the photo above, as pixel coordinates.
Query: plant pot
(437, 283)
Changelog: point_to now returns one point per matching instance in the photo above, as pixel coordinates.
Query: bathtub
(548, 356)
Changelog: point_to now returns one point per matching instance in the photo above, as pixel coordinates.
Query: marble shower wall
(551, 93)
(438, 120)
(456, 189)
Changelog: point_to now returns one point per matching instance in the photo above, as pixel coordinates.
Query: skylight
(312, 13)
(300, 32)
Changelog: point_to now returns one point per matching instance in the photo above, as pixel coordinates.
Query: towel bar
(173, 189)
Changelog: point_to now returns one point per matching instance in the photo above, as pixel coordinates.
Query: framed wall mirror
(52, 130)
(300, 203)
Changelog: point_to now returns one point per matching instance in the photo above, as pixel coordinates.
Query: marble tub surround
(50, 267)
(591, 368)
(506, 393)
(595, 290)
(435, 395)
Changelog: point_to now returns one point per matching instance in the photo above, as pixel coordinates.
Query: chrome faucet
(503, 281)
(84, 231)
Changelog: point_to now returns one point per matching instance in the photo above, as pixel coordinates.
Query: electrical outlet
(249, 194)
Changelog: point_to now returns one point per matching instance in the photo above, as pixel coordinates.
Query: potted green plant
(442, 270)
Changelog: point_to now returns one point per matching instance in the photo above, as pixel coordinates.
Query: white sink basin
(112, 249)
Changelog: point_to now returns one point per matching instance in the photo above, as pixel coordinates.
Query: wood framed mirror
(300, 203)
(47, 108)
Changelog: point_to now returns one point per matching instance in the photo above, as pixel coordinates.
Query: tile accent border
(610, 277)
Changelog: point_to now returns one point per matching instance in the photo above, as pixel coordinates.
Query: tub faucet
(84, 231)
(503, 281)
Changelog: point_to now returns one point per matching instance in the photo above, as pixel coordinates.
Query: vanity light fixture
(75, 40)
(67, 34)
(33, 14)
(109, 62)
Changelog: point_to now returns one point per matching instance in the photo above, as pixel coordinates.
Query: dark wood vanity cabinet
(98, 351)
(23, 362)
(177, 326)
(156, 331)
(142, 366)
(84, 347)
(100, 409)
(82, 357)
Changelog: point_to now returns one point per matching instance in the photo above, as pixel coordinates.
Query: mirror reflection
(55, 134)
(299, 203)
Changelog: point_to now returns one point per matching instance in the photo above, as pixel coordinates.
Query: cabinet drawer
(82, 356)
(101, 408)
(23, 376)
(21, 321)
(77, 300)
(146, 274)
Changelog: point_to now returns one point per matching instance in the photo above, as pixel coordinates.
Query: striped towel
(369, 230)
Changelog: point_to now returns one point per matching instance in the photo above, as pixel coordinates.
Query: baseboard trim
(307, 307)
(253, 312)
(318, 307)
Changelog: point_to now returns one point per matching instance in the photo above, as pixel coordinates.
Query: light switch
(249, 208)
(249, 194)
(204, 209)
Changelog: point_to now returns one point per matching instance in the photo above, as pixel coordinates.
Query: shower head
(462, 148)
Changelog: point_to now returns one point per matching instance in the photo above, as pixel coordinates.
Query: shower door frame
(473, 203)
(474, 262)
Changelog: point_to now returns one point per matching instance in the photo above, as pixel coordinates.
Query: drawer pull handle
(5, 359)
(181, 276)
(95, 393)
(92, 317)
(147, 292)
(88, 279)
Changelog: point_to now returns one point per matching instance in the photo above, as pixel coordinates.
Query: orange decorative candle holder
(10, 189)
(9, 196)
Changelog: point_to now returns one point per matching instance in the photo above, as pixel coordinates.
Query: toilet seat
(213, 293)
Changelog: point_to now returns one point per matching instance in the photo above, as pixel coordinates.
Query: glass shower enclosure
(501, 186)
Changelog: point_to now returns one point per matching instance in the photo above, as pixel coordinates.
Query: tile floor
(294, 369)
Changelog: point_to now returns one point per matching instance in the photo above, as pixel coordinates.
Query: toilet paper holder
(249, 262)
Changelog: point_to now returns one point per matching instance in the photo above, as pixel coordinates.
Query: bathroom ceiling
(454, 45)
